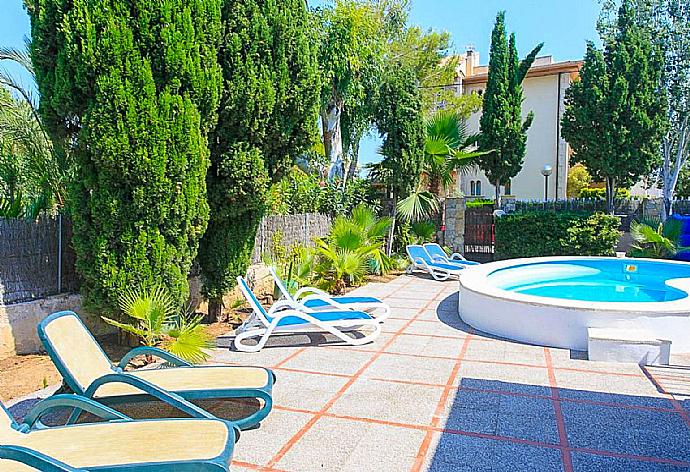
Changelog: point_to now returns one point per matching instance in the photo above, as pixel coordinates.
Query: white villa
(544, 90)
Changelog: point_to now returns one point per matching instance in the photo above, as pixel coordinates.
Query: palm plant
(25, 144)
(158, 323)
(446, 151)
(353, 248)
(656, 240)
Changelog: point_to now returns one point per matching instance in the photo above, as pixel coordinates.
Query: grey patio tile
(330, 361)
(636, 386)
(428, 315)
(511, 416)
(394, 324)
(422, 345)
(258, 446)
(395, 402)
(406, 313)
(504, 351)
(617, 398)
(305, 391)
(416, 369)
(459, 453)
(441, 329)
(530, 380)
(397, 302)
(265, 358)
(583, 462)
(627, 431)
(341, 445)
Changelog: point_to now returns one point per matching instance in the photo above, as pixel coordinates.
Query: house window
(475, 188)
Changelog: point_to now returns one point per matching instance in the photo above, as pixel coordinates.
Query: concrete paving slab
(342, 445)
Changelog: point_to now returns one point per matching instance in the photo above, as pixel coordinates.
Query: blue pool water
(596, 280)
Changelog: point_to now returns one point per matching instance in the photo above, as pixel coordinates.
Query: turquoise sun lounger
(439, 255)
(88, 372)
(119, 444)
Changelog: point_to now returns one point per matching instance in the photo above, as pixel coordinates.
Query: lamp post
(546, 172)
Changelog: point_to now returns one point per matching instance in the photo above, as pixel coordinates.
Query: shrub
(479, 202)
(537, 234)
(600, 193)
(131, 88)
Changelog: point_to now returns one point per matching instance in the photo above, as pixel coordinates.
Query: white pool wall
(563, 323)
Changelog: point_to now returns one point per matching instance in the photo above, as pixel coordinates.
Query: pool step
(627, 345)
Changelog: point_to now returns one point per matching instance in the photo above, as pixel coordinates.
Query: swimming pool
(552, 301)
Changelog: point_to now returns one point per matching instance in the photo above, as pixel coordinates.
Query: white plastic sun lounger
(439, 255)
(316, 299)
(291, 317)
(421, 260)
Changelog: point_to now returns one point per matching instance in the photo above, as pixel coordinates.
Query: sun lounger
(421, 260)
(288, 316)
(87, 371)
(317, 299)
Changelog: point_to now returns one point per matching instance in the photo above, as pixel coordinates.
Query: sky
(562, 25)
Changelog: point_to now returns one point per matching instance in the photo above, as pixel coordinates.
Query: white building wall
(543, 143)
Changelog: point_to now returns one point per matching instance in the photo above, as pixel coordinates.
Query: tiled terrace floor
(432, 394)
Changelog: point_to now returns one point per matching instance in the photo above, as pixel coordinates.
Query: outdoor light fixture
(546, 171)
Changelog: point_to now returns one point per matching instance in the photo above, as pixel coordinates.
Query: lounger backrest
(281, 286)
(253, 301)
(73, 350)
(418, 252)
(435, 250)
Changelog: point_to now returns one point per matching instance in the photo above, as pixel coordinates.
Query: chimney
(471, 60)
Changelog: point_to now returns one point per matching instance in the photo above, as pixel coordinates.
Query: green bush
(479, 202)
(600, 193)
(537, 234)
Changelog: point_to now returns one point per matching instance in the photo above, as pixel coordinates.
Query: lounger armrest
(285, 304)
(71, 401)
(439, 259)
(34, 459)
(456, 256)
(313, 290)
(155, 391)
(153, 351)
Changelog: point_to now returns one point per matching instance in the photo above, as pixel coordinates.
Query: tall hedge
(545, 233)
(131, 87)
(267, 118)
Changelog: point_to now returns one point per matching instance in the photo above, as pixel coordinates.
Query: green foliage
(353, 248)
(600, 193)
(157, 323)
(578, 179)
(446, 150)
(400, 122)
(417, 206)
(615, 115)
(423, 232)
(503, 132)
(656, 240)
(267, 118)
(538, 233)
(130, 88)
(479, 202)
(299, 192)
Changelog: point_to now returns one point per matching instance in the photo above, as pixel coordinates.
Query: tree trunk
(673, 164)
(610, 195)
(215, 310)
(389, 248)
(333, 138)
(497, 199)
(352, 171)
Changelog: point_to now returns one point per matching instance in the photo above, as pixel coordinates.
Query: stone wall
(454, 236)
(289, 230)
(18, 322)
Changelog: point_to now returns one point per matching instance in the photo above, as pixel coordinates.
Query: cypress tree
(503, 132)
(131, 88)
(616, 114)
(267, 118)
